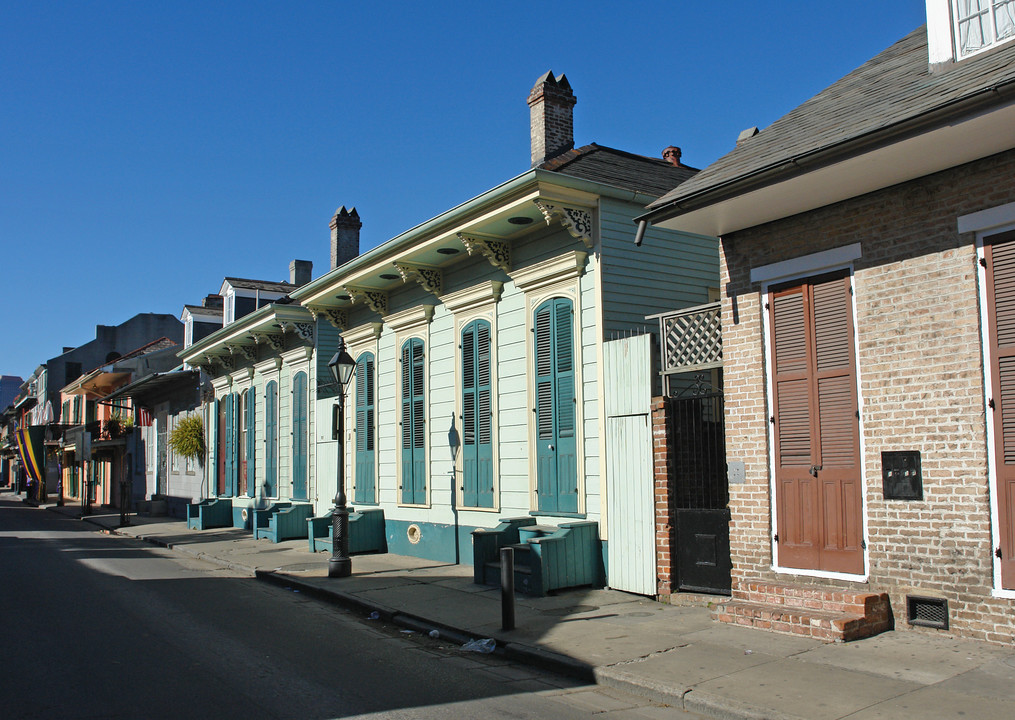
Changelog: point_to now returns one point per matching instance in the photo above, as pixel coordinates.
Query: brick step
(810, 597)
(824, 613)
(827, 626)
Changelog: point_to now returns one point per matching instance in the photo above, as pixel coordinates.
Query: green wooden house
(479, 337)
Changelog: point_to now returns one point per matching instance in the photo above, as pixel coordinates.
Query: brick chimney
(551, 117)
(345, 227)
(672, 155)
(299, 272)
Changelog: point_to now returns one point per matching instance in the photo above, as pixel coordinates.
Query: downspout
(639, 235)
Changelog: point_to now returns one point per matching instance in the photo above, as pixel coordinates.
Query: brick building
(866, 241)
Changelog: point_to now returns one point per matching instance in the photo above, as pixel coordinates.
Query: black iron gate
(699, 488)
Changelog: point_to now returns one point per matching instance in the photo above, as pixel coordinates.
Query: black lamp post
(339, 564)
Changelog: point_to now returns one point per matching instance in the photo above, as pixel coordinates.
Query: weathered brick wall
(921, 384)
(665, 519)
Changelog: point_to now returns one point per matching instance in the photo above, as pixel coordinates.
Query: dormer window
(980, 24)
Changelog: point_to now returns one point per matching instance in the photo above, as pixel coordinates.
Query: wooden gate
(630, 502)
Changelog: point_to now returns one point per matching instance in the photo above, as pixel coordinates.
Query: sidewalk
(673, 655)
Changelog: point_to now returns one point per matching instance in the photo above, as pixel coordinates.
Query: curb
(687, 699)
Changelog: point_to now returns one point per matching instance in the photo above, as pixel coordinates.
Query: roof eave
(985, 98)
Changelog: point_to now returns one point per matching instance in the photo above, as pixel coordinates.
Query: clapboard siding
(669, 271)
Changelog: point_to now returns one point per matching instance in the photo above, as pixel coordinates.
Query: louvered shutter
(271, 439)
(365, 482)
(477, 422)
(556, 451)
(818, 491)
(251, 398)
(299, 473)
(230, 444)
(999, 251)
(413, 429)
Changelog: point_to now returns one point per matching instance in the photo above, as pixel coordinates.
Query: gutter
(457, 215)
(994, 95)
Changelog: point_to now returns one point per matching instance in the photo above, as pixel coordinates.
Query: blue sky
(148, 149)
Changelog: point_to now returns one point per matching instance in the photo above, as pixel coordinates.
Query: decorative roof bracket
(576, 221)
(430, 278)
(496, 251)
(272, 340)
(373, 299)
(337, 317)
(304, 330)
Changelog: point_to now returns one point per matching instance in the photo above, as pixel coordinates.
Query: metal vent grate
(927, 611)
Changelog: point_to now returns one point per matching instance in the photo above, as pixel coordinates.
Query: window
(366, 487)
(65, 412)
(477, 418)
(174, 463)
(77, 409)
(980, 24)
(413, 427)
(72, 371)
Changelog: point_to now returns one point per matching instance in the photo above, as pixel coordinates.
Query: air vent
(927, 611)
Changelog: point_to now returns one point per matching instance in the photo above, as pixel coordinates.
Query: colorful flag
(144, 417)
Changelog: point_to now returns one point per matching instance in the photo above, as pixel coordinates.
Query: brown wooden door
(817, 444)
(999, 251)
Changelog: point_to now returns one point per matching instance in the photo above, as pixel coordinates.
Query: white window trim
(985, 223)
(801, 268)
(570, 289)
(412, 323)
(477, 303)
(989, 44)
(363, 339)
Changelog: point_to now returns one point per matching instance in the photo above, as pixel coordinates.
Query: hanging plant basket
(187, 438)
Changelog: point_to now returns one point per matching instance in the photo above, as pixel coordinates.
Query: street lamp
(339, 564)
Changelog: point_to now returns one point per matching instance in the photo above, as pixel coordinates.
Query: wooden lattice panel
(691, 339)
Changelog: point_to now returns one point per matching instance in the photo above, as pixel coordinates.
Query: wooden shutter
(413, 428)
(365, 482)
(244, 429)
(251, 449)
(230, 444)
(556, 444)
(300, 436)
(271, 439)
(477, 421)
(817, 457)
(999, 252)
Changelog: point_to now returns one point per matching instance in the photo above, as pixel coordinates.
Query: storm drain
(927, 611)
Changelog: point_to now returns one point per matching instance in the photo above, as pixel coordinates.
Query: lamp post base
(339, 567)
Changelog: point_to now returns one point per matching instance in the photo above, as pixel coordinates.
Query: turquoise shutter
(271, 439)
(300, 436)
(556, 448)
(251, 448)
(365, 485)
(413, 455)
(230, 445)
(477, 422)
(567, 446)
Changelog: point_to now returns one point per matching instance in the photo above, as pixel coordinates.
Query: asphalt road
(96, 626)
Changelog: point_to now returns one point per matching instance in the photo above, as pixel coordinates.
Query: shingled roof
(270, 286)
(896, 87)
(651, 176)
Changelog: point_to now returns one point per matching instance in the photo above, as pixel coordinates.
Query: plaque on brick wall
(901, 478)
